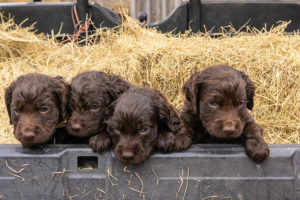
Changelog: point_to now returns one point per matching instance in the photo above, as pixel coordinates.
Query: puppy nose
(229, 126)
(127, 155)
(28, 134)
(76, 127)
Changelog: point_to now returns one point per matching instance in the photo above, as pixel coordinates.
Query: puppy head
(220, 96)
(91, 93)
(138, 116)
(35, 104)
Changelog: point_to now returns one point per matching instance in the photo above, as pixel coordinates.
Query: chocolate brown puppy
(91, 93)
(36, 104)
(142, 120)
(216, 104)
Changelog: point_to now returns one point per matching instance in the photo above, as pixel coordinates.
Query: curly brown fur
(91, 93)
(36, 103)
(142, 120)
(215, 108)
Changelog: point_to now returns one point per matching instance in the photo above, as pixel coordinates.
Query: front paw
(182, 142)
(100, 142)
(257, 150)
(166, 142)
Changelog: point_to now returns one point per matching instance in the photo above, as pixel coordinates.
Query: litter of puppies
(145, 57)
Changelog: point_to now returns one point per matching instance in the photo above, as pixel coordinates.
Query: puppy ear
(250, 91)
(117, 86)
(108, 114)
(8, 98)
(168, 115)
(62, 91)
(191, 90)
(110, 110)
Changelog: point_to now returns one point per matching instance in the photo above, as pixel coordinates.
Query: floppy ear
(109, 113)
(110, 110)
(8, 98)
(117, 86)
(62, 91)
(191, 90)
(250, 91)
(168, 115)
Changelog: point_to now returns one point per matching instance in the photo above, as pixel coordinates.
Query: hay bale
(149, 58)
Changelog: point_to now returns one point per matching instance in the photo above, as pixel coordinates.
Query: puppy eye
(144, 130)
(17, 111)
(240, 104)
(94, 107)
(212, 103)
(44, 109)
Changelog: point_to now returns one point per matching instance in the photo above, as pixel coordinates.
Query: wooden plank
(171, 6)
(177, 3)
(139, 6)
(158, 10)
(133, 10)
(164, 8)
(148, 10)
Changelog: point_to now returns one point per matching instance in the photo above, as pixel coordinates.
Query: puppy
(91, 93)
(216, 104)
(36, 104)
(142, 119)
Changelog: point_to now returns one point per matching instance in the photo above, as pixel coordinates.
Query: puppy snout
(127, 155)
(76, 127)
(28, 134)
(229, 126)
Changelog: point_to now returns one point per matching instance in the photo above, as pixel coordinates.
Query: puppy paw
(182, 142)
(166, 142)
(257, 150)
(100, 142)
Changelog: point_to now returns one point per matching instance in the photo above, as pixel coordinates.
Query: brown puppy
(141, 120)
(36, 104)
(91, 93)
(216, 105)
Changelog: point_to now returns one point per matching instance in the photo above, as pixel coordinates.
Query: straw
(146, 57)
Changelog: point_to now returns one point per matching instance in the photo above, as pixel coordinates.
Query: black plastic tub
(53, 18)
(199, 16)
(211, 15)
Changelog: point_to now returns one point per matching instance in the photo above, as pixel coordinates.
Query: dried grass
(146, 57)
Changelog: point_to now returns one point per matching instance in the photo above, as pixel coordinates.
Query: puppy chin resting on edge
(216, 104)
(91, 93)
(141, 121)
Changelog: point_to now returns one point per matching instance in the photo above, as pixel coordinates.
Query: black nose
(76, 127)
(128, 155)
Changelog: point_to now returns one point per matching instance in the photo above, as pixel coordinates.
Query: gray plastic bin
(202, 172)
